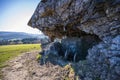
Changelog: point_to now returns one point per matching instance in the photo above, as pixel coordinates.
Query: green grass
(38, 57)
(8, 52)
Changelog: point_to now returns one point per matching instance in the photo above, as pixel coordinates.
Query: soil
(26, 67)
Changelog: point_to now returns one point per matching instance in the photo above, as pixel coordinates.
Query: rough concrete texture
(79, 18)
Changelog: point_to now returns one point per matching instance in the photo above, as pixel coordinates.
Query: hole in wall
(70, 49)
(76, 49)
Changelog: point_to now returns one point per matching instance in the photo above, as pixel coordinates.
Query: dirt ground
(26, 67)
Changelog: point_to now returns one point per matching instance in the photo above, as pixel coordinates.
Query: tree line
(20, 41)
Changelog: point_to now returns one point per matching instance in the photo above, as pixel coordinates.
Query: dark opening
(73, 48)
(76, 49)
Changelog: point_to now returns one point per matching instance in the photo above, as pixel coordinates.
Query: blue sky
(15, 14)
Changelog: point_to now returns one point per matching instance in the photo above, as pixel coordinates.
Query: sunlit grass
(10, 51)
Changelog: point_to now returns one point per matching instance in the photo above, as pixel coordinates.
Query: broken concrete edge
(76, 18)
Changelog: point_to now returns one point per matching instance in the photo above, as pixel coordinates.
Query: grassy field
(8, 52)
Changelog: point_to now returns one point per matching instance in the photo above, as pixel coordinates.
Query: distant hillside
(18, 35)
